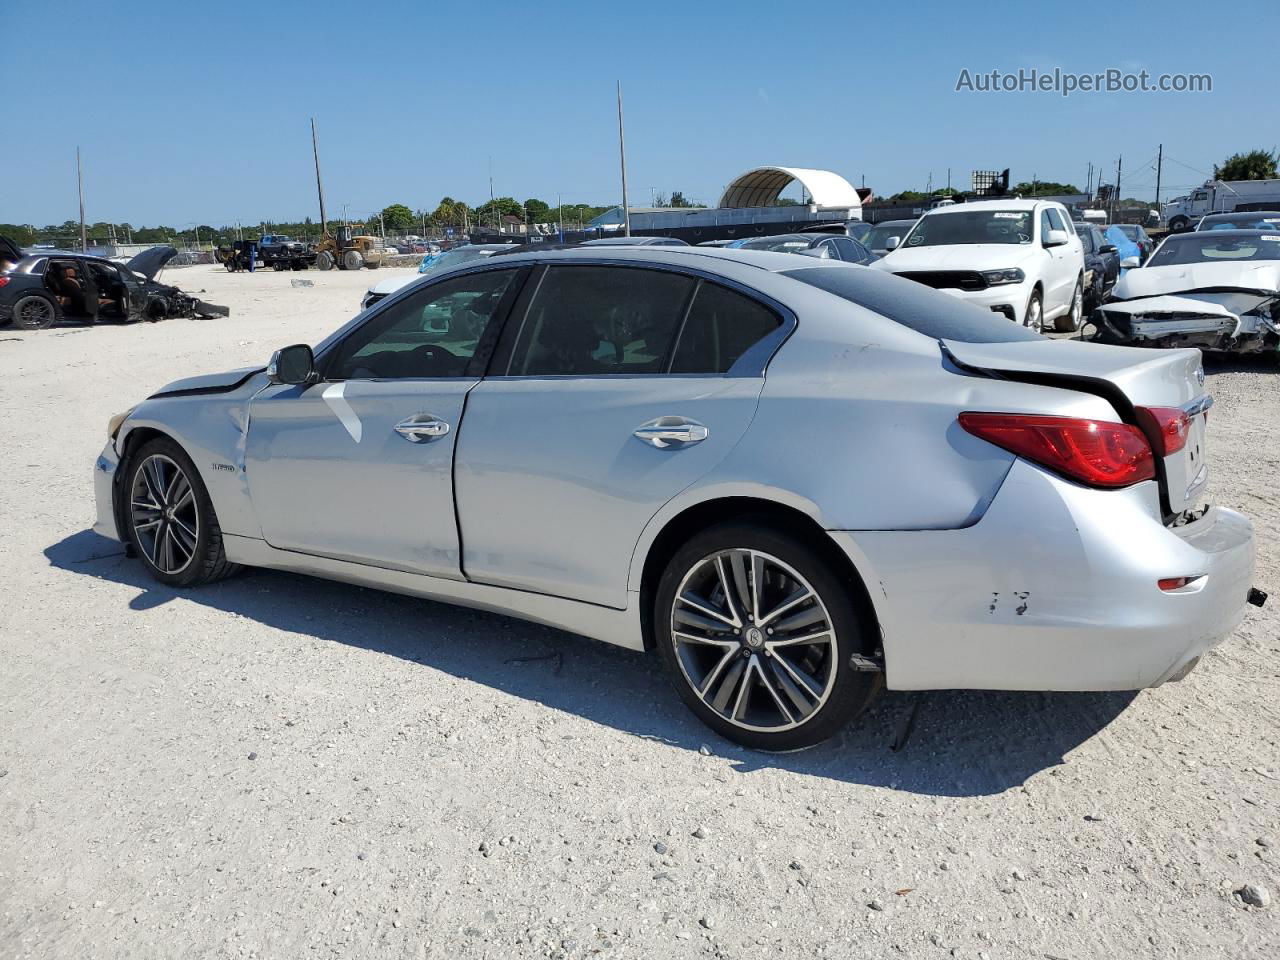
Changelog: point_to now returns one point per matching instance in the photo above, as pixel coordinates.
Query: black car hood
(9, 250)
(149, 262)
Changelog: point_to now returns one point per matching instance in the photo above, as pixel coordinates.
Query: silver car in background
(795, 480)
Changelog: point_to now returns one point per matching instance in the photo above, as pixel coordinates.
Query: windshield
(1197, 248)
(971, 226)
(1243, 221)
(878, 237)
(787, 243)
(453, 258)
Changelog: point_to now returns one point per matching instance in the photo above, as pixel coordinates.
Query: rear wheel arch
(769, 514)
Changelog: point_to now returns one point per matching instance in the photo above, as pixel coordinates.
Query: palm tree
(1254, 165)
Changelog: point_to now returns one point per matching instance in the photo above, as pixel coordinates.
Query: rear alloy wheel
(1069, 322)
(34, 312)
(758, 636)
(170, 518)
(1035, 312)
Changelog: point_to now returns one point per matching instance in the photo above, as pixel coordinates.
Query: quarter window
(594, 321)
(431, 334)
(722, 325)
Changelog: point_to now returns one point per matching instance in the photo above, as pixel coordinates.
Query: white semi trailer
(1221, 196)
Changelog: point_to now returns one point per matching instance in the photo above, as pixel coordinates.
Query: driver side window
(431, 334)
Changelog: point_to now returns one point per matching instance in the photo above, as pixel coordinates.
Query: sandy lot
(281, 767)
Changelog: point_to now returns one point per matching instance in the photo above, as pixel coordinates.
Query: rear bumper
(104, 475)
(1055, 589)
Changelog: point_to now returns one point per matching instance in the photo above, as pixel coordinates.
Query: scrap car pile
(39, 289)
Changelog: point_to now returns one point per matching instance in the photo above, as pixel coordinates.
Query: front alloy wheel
(162, 510)
(169, 517)
(759, 635)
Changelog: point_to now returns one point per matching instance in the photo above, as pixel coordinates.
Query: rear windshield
(937, 315)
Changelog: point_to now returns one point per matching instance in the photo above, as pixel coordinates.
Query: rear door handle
(671, 431)
(422, 428)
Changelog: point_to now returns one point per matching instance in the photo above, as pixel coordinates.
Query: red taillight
(1170, 424)
(4, 281)
(1094, 452)
(1175, 583)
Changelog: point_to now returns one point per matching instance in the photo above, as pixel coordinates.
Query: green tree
(397, 217)
(537, 211)
(450, 213)
(505, 206)
(1043, 188)
(1254, 165)
(678, 199)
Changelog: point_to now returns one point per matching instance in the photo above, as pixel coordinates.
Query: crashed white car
(1217, 290)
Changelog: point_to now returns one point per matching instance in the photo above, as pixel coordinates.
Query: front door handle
(422, 428)
(671, 431)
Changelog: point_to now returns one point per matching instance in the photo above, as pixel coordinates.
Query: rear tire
(760, 683)
(35, 312)
(324, 260)
(352, 260)
(169, 519)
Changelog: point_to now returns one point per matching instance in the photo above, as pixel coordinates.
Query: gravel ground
(281, 767)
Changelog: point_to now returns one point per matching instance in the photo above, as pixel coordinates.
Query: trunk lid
(1128, 377)
(9, 250)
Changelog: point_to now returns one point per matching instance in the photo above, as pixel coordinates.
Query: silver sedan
(795, 480)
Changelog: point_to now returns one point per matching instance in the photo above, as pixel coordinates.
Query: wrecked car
(42, 287)
(1217, 290)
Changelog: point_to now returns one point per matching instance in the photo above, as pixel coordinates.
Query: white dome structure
(762, 186)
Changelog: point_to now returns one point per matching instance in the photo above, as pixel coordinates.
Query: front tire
(324, 260)
(757, 631)
(352, 260)
(169, 517)
(1069, 322)
(1035, 312)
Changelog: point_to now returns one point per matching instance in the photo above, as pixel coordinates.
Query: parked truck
(1221, 196)
(284, 253)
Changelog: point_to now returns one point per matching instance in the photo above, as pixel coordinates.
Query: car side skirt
(619, 627)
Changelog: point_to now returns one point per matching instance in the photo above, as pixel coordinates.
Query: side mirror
(294, 364)
(1055, 238)
(1107, 248)
(1129, 262)
(892, 243)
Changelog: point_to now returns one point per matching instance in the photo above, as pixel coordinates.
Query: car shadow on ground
(960, 743)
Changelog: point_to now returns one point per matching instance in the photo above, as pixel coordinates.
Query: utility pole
(622, 156)
(1159, 165)
(948, 181)
(315, 152)
(560, 216)
(1088, 184)
(382, 226)
(84, 240)
(1115, 201)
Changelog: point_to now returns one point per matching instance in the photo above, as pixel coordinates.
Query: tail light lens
(1097, 453)
(1170, 424)
(4, 281)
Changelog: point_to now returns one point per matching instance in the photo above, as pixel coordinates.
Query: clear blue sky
(196, 112)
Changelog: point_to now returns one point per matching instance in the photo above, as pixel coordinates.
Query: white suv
(1021, 258)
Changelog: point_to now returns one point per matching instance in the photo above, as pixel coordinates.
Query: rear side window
(937, 315)
(593, 321)
(722, 325)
